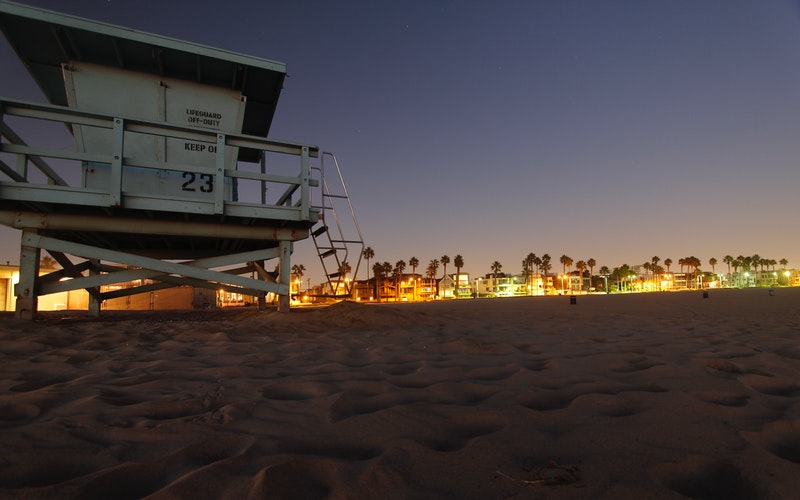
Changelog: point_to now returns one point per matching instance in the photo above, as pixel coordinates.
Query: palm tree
(444, 259)
(527, 268)
(654, 266)
(667, 262)
(298, 270)
(546, 265)
(756, 260)
(591, 263)
(621, 274)
(537, 261)
(581, 267)
(397, 272)
(693, 262)
(713, 262)
(783, 263)
(344, 270)
(379, 271)
(414, 263)
(433, 268)
(746, 261)
(605, 272)
(565, 261)
(458, 261)
(728, 260)
(496, 268)
(368, 254)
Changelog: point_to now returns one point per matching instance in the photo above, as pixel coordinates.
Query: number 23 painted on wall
(206, 182)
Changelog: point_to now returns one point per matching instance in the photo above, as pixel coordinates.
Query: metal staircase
(337, 236)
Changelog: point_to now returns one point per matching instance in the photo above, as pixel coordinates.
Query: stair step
(346, 241)
(319, 231)
(328, 253)
(335, 275)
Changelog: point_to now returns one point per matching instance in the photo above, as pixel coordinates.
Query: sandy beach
(658, 395)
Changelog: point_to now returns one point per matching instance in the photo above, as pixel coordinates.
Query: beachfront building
(9, 276)
(428, 288)
(549, 285)
(408, 287)
(741, 280)
(502, 286)
(455, 286)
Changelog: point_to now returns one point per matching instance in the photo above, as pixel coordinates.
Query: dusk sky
(613, 130)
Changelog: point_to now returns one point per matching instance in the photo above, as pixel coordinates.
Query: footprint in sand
(539, 364)
(773, 386)
(309, 478)
(120, 398)
(13, 413)
(705, 477)
(456, 433)
(722, 398)
(782, 438)
(618, 405)
(720, 367)
(298, 391)
(635, 364)
(352, 403)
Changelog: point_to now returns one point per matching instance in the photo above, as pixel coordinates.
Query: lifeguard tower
(171, 181)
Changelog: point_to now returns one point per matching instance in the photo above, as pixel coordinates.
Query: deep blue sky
(613, 130)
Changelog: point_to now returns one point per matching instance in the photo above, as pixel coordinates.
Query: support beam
(76, 272)
(94, 300)
(194, 273)
(262, 298)
(122, 275)
(25, 292)
(68, 222)
(285, 276)
(89, 252)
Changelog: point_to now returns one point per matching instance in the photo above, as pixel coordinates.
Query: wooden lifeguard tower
(172, 180)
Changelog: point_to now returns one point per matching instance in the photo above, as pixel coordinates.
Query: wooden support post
(94, 303)
(27, 300)
(262, 297)
(285, 276)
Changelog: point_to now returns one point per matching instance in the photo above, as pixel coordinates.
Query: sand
(657, 395)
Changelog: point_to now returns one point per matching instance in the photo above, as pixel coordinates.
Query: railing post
(22, 166)
(219, 176)
(263, 182)
(305, 176)
(115, 180)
